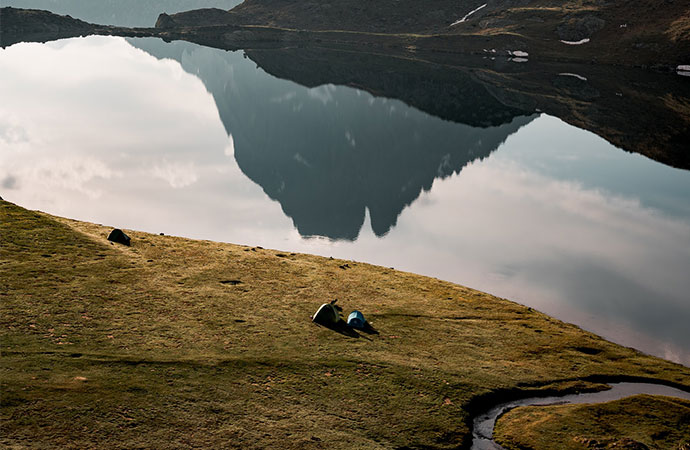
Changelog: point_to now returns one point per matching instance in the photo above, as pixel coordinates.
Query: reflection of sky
(586, 254)
(557, 218)
(654, 185)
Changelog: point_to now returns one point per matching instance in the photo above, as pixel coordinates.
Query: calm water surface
(198, 142)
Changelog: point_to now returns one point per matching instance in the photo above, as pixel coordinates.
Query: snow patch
(519, 60)
(468, 15)
(580, 42)
(518, 53)
(683, 68)
(568, 74)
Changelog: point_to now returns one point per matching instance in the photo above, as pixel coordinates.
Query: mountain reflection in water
(520, 205)
(328, 154)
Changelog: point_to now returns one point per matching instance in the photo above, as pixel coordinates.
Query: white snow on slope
(468, 15)
(568, 74)
(580, 42)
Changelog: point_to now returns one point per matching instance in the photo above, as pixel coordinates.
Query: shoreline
(226, 30)
(618, 334)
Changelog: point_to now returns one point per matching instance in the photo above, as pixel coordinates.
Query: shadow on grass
(342, 328)
(368, 329)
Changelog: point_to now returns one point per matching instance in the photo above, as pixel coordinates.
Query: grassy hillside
(175, 343)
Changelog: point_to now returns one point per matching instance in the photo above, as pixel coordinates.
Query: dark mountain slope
(637, 32)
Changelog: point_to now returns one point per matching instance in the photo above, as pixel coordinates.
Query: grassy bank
(176, 343)
(638, 422)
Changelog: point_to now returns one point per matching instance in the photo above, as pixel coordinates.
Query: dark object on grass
(326, 315)
(356, 320)
(118, 236)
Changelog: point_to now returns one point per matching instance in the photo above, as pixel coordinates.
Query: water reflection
(81, 116)
(568, 245)
(532, 209)
(329, 154)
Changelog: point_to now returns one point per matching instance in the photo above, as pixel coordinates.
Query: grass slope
(638, 422)
(175, 343)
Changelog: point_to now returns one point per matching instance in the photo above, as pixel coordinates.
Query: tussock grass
(175, 343)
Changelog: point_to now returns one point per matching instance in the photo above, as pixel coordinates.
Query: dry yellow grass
(653, 421)
(679, 30)
(175, 343)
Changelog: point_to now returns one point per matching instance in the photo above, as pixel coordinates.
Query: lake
(467, 174)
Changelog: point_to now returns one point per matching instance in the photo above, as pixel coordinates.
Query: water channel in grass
(483, 425)
(447, 173)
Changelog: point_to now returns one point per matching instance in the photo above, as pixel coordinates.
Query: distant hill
(640, 33)
(125, 13)
(637, 32)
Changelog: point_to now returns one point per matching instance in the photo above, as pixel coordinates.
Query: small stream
(483, 425)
